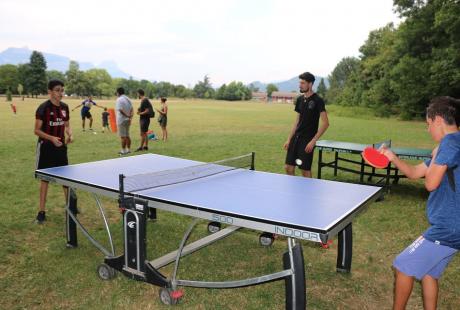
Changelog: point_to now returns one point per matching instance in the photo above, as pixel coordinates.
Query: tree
(20, 90)
(8, 95)
(322, 89)
(339, 77)
(56, 75)
(270, 89)
(36, 80)
(76, 84)
(9, 78)
(23, 74)
(98, 82)
(203, 89)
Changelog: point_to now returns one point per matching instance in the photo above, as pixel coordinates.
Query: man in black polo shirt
(145, 111)
(304, 133)
(51, 126)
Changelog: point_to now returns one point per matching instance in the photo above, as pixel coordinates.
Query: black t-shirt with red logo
(53, 118)
(309, 109)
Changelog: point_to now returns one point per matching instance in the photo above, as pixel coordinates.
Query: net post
(121, 197)
(253, 156)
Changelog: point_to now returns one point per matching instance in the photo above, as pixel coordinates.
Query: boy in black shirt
(304, 133)
(51, 126)
(105, 120)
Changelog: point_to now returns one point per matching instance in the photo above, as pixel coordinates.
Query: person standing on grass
(51, 126)
(428, 256)
(124, 109)
(302, 138)
(105, 120)
(86, 105)
(163, 118)
(145, 112)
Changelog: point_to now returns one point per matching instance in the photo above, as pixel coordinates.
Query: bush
(8, 95)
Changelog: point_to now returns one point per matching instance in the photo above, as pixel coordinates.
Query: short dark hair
(141, 92)
(163, 99)
(54, 82)
(307, 76)
(446, 107)
(120, 91)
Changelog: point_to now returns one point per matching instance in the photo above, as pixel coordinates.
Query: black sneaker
(41, 217)
(145, 148)
(139, 149)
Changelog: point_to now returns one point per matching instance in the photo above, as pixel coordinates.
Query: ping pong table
(228, 192)
(390, 173)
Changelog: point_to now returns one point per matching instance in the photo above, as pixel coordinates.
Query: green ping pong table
(385, 175)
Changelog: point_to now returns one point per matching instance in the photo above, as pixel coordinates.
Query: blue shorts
(424, 257)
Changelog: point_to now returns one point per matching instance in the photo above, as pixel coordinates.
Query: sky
(181, 41)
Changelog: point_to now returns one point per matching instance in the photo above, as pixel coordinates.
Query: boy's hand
(69, 139)
(56, 141)
(310, 146)
(387, 152)
(286, 145)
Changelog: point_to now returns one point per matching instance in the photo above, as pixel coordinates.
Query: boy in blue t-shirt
(427, 257)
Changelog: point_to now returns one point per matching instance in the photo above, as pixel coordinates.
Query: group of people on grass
(425, 259)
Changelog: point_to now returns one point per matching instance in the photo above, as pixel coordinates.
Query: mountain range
(289, 85)
(15, 56)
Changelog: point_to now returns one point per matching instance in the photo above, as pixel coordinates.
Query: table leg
(71, 226)
(345, 249)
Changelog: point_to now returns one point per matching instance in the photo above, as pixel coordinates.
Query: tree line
(31, 79)
(401, 68)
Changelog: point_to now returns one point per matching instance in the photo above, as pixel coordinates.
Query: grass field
(38, 272)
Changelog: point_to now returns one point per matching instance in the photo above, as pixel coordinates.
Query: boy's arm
(434, 173)
(410, 171)
(322, 129)
(68, 131)
(77, 106)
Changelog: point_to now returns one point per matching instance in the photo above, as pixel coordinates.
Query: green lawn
(38, 272)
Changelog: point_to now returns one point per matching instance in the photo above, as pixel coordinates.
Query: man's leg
(90, 123)
(83, 124)
(306, 173)
(402, 290)
(430, 292)
(290, 170)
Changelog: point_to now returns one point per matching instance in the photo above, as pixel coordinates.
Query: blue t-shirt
(443, 207)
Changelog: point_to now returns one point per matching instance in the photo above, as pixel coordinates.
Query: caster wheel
(266, 239)
(170, 297)
(106, 272)
(214, 227)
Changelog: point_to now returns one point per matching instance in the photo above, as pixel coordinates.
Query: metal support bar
(192, 247)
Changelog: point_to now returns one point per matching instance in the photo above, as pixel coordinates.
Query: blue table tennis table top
(310, 204)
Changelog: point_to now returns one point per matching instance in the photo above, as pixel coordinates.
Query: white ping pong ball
(298, 161)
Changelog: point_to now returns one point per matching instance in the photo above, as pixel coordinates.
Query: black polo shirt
(145, 104)
(309, 109)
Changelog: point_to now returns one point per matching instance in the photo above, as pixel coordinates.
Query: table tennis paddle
(374, 158)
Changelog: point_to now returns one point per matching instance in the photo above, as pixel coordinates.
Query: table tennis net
(144, 181)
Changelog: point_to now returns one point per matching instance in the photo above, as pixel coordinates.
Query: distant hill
(289, 85)
(17, 56)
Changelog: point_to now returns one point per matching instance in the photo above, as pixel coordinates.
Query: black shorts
(49, 155)
(296, 150)
(86, 114)
(144, 124)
